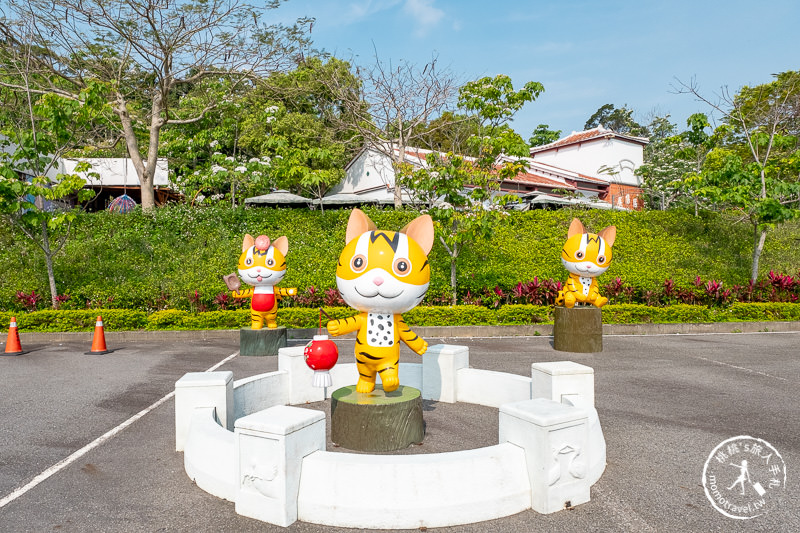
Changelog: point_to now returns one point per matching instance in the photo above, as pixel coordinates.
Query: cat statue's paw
(333, 328)
(365, 386)
(390, 380)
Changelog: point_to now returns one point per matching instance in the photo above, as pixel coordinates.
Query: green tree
(146, 51)
(464, 191)
(543, 135)
(206, 156)
(670, 158)
(756, 167)
(280, 132)
(618, 119)
(35, 198)
(308, 136)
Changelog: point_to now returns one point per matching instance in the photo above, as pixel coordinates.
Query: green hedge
(49, 320)
(463, 315)
(161, 259)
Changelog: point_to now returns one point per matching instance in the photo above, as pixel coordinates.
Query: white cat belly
(380, 329)
(587, 285)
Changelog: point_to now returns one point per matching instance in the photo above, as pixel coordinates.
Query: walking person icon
(744, 475)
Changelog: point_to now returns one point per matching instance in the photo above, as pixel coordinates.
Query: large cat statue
(586, 256)
(382, 274)
(262, 265)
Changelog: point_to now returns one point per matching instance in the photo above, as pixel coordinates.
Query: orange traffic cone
(99, 339)
(13, 346)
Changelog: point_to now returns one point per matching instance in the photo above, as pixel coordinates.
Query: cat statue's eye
(601, 260)
(359, 263)
(248, 261)
(402, 267)
(270, 262)
(579, 255)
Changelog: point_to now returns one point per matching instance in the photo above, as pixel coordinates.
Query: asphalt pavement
(665, 402)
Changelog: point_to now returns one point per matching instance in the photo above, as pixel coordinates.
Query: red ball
(262, 242)
(321, 353)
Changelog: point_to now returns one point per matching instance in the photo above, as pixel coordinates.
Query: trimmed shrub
(764, 311)
(174, 257)
(50, 320)
(462, 315)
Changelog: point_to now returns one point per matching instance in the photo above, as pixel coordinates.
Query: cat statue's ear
(609, 235)
(248, 242)
(575, 228)
(358, 224)
(281, 244)
(420, 230)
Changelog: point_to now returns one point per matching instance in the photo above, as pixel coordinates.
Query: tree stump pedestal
(377, 421)
(263, 341)
(579, 329)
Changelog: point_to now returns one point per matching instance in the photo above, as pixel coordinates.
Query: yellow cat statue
(382, 274)
(262, 265)
(586, 256)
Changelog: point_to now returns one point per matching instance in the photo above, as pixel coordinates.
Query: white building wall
(591, 156)
(371, 170)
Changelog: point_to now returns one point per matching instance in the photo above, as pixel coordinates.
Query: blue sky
(586, 53)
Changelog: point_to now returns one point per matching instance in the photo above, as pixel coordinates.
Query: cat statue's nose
(377, 280)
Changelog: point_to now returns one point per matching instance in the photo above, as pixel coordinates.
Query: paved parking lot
(664, 402)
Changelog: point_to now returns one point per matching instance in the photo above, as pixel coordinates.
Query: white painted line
(750, 370)
(231, 356)
(700, 334)
(94, 444)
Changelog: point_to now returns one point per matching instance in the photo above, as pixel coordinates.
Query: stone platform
(377, 421)
(260, 342)
(578, 329)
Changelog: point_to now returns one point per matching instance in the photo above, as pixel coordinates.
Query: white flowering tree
(277, 133)
(232, 174)
(215, 169)
(304, 156)
(670, 157)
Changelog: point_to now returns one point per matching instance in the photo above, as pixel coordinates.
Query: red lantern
(321, 354)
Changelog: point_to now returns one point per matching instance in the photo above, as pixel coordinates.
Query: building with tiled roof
(551, 179)
(594, 166)
(604, 154)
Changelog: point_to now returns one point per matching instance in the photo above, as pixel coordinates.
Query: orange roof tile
(528, 177)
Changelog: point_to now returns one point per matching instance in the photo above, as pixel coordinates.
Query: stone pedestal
(263, 341)
(378, 421)
(555, 438)
(202, 389)
(563, 382)
(270, 447)
(440, 366)
(579, 329)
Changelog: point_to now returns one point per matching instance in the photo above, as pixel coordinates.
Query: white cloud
(366, 8)
(425, 15)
